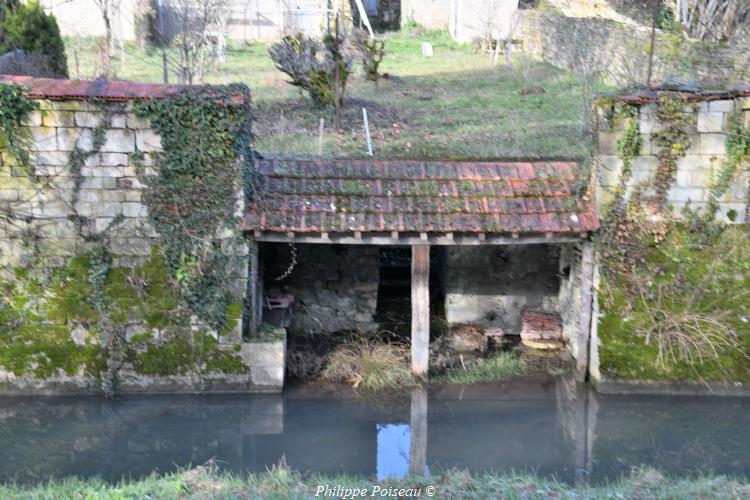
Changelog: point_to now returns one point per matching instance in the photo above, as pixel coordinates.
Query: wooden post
(252, 328)
(587, 302)
(420, 309)
(418, 432)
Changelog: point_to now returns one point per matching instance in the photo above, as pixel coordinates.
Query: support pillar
(587, 303)
(418, 432)
(420, 309)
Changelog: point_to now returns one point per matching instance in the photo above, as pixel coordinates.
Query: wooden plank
(385, 239)
(252, 328)
(420, 309)
(587, 299)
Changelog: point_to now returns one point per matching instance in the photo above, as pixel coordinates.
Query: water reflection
(559, 429)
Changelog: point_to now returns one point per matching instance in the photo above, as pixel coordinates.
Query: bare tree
(108, 9)
(198, 34)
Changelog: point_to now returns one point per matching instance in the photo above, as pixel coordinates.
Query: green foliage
(628, 147)
(666, 20)
(737, 142)
(314, 66)
(192, 197)
(673, 142)
(30, 28)
(688, 278)
(494, 368)
(182, 354)
(14, 107)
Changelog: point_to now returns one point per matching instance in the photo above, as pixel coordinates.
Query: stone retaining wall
(695, 171)
(48, 257)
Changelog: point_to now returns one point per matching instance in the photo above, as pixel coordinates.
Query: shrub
(372, 51)
(498, 367)
(371, 364)
(29, 28)
(311, 64)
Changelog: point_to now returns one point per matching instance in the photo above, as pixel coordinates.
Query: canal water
(555, 429)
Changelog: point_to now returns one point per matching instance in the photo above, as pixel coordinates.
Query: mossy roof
(308, 196)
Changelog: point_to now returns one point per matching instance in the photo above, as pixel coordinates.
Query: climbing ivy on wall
(14, 107)
(73, 317)
(192, 193)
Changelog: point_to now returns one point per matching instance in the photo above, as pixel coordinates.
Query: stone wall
(695, 171)
(570, 296)
(620, 51)
(489, 285)
(335, 287)
(59, 335)
(432, 14)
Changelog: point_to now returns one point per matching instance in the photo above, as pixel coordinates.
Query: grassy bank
(280, 483)
(454, 105)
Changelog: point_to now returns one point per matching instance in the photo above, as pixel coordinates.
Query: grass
(371, 364)
(454, 105)
(694, 283)
(282, 483)
(491, 369)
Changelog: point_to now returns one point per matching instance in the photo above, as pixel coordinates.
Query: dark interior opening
(394, 292)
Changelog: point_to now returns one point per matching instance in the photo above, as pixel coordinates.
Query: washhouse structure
(478, 241)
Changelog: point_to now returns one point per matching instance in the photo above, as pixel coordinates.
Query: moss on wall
(50, 323)
(693, 278)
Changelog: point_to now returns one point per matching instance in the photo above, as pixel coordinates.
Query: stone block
(32, 119)
(45, 138)
(647, 123)
(58, 119)
(70, 138)
(118, 120)
(129, 183)
(107, 160)
(711, 122)
(693, 178)
(88, 119)
(134, 210)
(148, 140)
(713, 144)
(101, 171)
(8, 195)
(610, 168)
(136, 122)
(745, 102)
(119, 141)
(644, 163)
(685, 195)
(56, 158)
(69, 105)
(49, 170)
(737, 210)
(747, 119)
(608, 143)
(723, 106)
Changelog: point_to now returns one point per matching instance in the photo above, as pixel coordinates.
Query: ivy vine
(192, 192)
(14, 107)
(738, 140)
(672, 141)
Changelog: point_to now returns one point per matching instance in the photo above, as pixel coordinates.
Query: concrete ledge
(669, 388)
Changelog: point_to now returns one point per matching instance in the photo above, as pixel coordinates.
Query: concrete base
(266, 362)
(668, 388)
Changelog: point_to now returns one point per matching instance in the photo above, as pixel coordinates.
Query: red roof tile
(111, 90)
(364, 195)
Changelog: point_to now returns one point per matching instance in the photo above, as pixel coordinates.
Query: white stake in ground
(367, 132)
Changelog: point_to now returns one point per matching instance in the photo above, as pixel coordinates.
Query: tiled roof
(415, 196)
(111, 90)
(690, 92)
